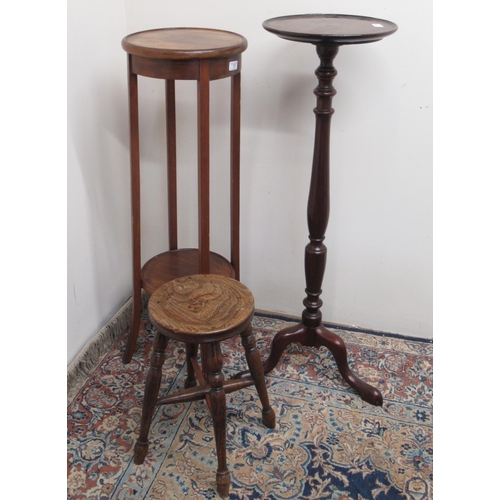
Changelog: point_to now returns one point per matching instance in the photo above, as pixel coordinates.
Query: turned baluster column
(318, 208)
(327, 32)
(311, 332)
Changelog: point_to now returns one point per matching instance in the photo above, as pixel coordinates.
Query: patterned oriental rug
(327, 444)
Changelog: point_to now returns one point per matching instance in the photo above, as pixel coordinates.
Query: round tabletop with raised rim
(336, 29)
(184, 43)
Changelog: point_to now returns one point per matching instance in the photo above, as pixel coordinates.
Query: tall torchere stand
(327, 32)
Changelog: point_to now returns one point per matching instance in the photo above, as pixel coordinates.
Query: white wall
(379, 239)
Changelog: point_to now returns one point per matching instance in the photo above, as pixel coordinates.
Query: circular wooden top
(201, 308)
(184, 43)
(337, 29)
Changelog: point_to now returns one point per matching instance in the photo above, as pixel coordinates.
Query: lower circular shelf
(174, 264)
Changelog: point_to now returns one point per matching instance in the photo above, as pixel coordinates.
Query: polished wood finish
(183, 54)
(327, 32)
(184, 43)
(203, 167)
(171, 128)
(135, 189)
(331, 29)
(204, 310)
(153, 382)
(177, 263)
(235, 172)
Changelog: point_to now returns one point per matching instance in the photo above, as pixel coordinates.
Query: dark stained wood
(191, 353)
(171, 163)
(135, 189)
(235, 172)
(338, 29)
(319, 336)
(226, 67)
(327, 32)
(167, 69)
(197, 393)
(184, 43)
(174, 264)
(336, 346)
(204, 168)
(318, 205)
(204, 309)
(183, 54)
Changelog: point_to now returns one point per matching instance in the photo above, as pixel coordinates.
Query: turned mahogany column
(327, 32)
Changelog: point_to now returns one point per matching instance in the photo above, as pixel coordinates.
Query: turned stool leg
(218, 410)
(257, 372)
(153, 382)
(191, 352)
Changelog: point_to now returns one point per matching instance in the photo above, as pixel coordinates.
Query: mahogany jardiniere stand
(183, 54)
(328, 32)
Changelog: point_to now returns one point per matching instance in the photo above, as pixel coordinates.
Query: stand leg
(171, 163)
(134, 327)
(204, 168)
(136, 213)
(153, 382)
(235, 173)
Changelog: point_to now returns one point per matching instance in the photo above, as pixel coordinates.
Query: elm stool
(202, 309)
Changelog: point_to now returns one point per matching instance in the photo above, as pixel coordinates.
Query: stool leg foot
(191, 352)
(257, 372)
(218, 410)
(223, 483)
(140, 452)
(153, 382)
(269, 418)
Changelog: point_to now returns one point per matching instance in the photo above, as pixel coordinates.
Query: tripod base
(317, 337)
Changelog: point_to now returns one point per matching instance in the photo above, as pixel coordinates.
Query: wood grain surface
(201, 308)
(184, 43)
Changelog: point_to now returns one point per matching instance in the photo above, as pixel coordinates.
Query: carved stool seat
(202, 309)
